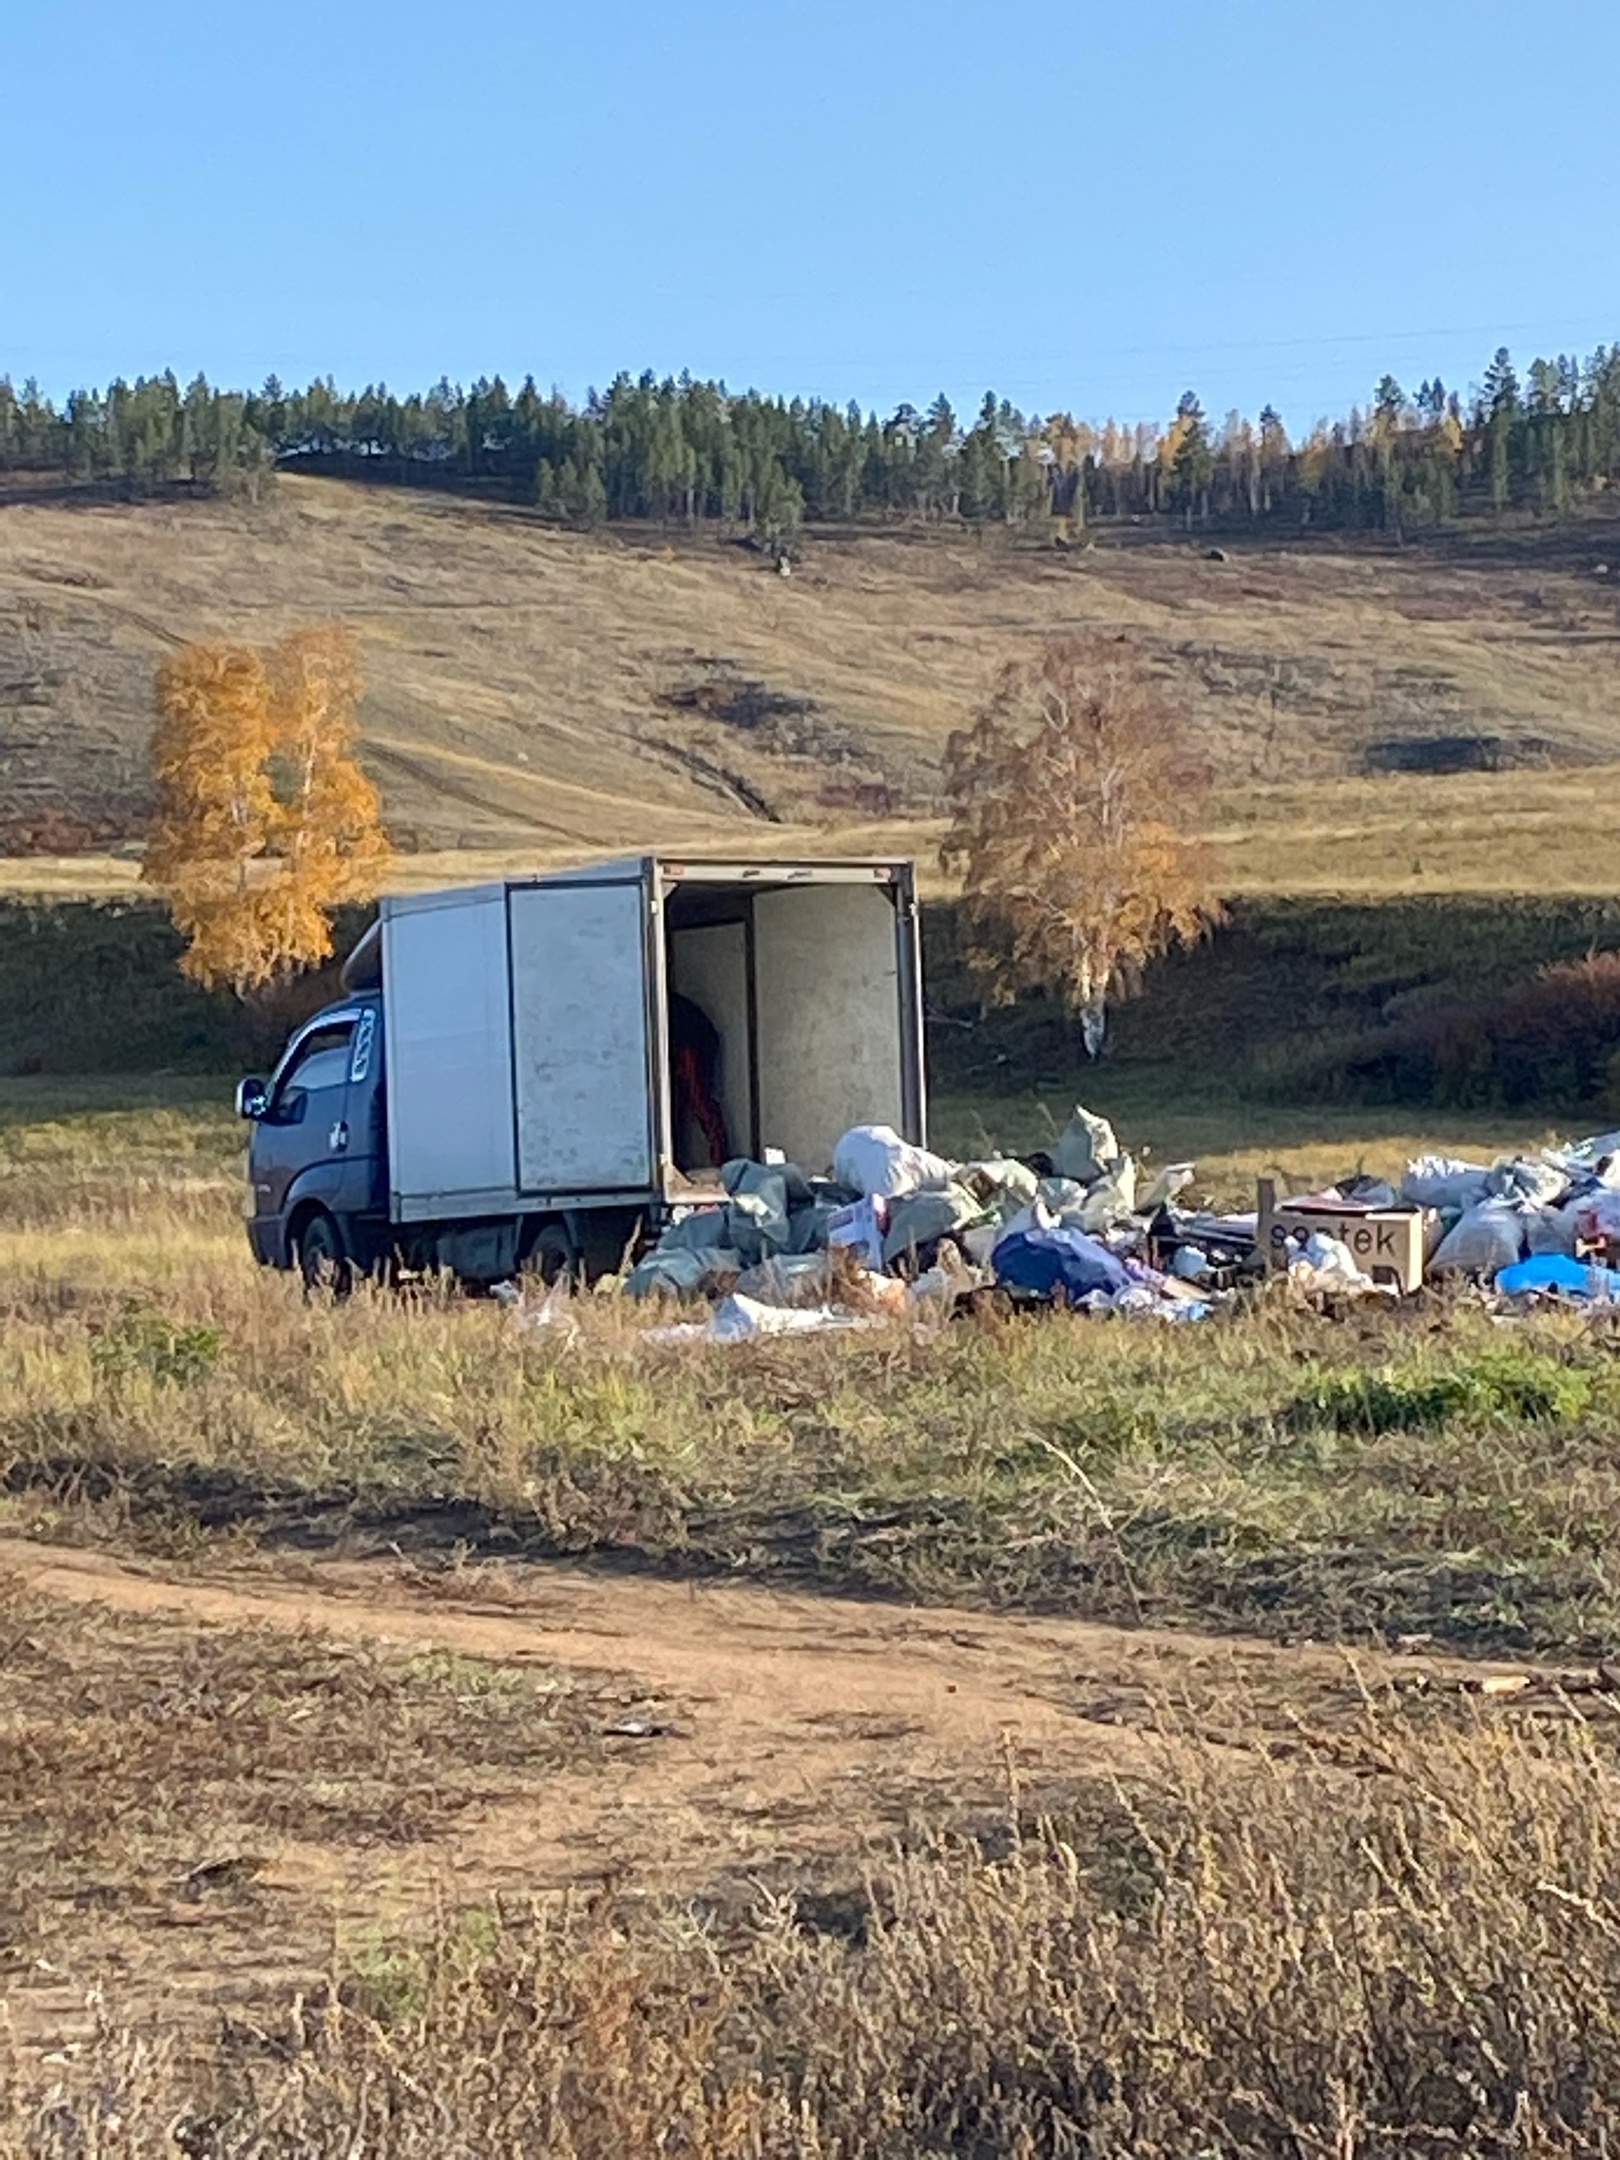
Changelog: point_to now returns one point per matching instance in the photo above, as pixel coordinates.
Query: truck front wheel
(327, 1270)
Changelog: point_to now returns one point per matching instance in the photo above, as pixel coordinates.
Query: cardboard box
(1385, 1243)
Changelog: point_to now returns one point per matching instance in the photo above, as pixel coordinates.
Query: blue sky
(1087, 206)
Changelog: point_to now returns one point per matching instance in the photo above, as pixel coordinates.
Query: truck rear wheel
(327, 1270)
(553, 1256)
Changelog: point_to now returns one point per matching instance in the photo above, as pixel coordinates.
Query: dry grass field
(424, 1733)
(538, 695)
(427, 1733)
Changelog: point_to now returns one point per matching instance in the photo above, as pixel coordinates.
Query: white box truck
(503, 1084)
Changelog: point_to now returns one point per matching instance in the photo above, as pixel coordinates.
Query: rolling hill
(536, 694)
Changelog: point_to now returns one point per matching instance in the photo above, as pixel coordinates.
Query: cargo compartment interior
(800, 981)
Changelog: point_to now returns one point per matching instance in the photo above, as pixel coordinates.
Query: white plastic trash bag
(873, 1160)
(1599, 1148)
(1086, 1148)
(1112, 1199)
(1525, 1177)
(1064, 1197)
(1003, 1185)
(1489, 1237)
(1171, 1181)
(554, 1310)
(861, 1227)
(1323, 1262)
(1550, 1230)
(738, 1319)
(1441, 1181)
(1597, 1214)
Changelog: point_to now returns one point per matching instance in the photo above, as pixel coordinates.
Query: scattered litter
(951, 1279)
(555, 1309)
(789, 1279)
(1558, 1204)
(738, 1318)
(227, 1874)
(743, 1319)
(1386, 1244)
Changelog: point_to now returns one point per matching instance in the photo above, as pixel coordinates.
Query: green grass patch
(1512, 1385)
(1291, 995)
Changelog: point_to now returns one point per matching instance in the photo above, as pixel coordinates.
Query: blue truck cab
(317, 1161)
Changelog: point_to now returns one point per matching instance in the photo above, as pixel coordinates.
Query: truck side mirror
(252, 1098)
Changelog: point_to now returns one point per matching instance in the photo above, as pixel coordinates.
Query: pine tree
(1192, 462)
(1500, 389)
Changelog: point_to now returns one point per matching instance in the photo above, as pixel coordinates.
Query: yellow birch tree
(264, 821)
(1069, 801)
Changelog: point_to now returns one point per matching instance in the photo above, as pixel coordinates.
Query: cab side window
(365, 1029)
(322, 1062)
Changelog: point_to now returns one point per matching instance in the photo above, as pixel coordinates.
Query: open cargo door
(835, 979)
(583, 997)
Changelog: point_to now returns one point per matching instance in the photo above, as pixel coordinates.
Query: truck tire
(323, 1261)
(553, 1256)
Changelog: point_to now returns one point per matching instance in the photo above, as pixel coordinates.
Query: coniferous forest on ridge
(682, 451)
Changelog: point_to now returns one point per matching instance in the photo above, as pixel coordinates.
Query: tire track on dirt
(751, 1735)
(765, 1699)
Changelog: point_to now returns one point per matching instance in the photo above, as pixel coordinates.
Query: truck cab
(317, 1160)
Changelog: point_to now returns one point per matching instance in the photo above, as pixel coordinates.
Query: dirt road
(745, 1736)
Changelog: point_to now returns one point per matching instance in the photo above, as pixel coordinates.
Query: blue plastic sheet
(1058, 1263)
(1556, 1271)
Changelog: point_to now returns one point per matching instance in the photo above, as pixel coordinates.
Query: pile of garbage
(894, 1227)
(1527, 1225)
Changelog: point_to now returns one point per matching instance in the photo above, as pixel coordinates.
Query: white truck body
(527, 1027)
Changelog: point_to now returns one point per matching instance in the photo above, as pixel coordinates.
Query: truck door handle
(338, 1138)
